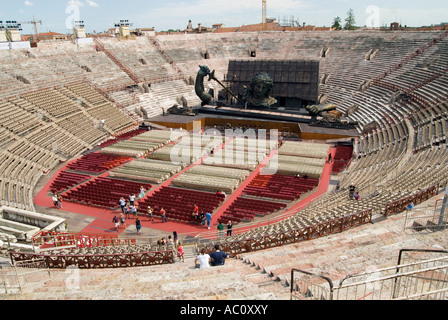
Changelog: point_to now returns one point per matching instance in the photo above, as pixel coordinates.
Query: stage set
(265, 94)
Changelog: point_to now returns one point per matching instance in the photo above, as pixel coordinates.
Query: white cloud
(29, 3)
(92, 3)
(75, 3)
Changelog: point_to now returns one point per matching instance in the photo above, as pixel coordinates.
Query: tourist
(122, 204)
(116, 222)
(138, 225)
(195, 213)
(142, 192)
(55, 200)
(229, 228)
(127, 212)
(122, 221)
(356, 196)
(175, 238)
(161, 242)
(163, 215)
(59, 201)
(220, 228)
(202, 217)
(410, 206)
(150, 215)
(218, 257)
(208, 216)
(131, 199)
(351, 191)
(180, 253)
(133, 210)
(203, 260)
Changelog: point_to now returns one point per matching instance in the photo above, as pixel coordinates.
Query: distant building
(271, 25)
(145, 32)
(394, 26)
(45, 36)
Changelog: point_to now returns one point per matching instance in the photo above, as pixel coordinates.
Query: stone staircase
(260, 275)
(178, 281)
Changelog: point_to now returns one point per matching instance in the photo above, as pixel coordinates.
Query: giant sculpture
(258, 94)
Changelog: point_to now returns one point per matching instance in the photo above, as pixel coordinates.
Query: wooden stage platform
(287, 122)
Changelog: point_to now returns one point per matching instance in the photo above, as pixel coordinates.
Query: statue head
(261, 85)
(259, 91)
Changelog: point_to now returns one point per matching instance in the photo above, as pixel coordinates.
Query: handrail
(400, 204)
(296, 235)
(428, 266)
(98, 261)
(328, 280)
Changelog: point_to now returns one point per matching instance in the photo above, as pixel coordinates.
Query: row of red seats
(124, 136)
(246, 209)
(98, 162)
(105, 192)
(67, 180)
(343, 153)
(281, 187)
(341, 158)
(179, 203)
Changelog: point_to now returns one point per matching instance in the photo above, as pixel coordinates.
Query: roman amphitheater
(95, 121)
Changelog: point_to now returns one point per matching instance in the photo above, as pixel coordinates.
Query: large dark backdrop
(294, 80)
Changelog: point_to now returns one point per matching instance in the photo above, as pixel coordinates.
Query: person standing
(122, 221)
(220, 228)
(55, 200)
(127, 212)
(208, 216)
(142, 192)
(202, 217)
(59, 201)
(163, 215)
(180, 253)
(175, 237)
(122, 204)
(229, 228)
(116, 222)
(131, 199)
(138, 225)
(133, 210)
(352, 189)
(150, 215)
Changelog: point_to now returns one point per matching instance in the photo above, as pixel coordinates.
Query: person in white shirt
(203, 260)
(131, 199)
(55, 200)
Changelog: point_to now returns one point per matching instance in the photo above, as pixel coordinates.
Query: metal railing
(24, 274)
(425, 219)
(97, 261)
(412, 278)
(267, 241)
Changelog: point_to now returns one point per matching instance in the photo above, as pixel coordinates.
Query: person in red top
(163, 214)
(195, 213)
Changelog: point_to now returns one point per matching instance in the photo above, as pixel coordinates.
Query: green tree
(337, 23)
(350, 20)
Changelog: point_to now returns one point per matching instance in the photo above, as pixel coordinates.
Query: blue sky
(99, 15)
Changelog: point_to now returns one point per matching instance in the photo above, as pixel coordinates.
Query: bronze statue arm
(199, 86)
